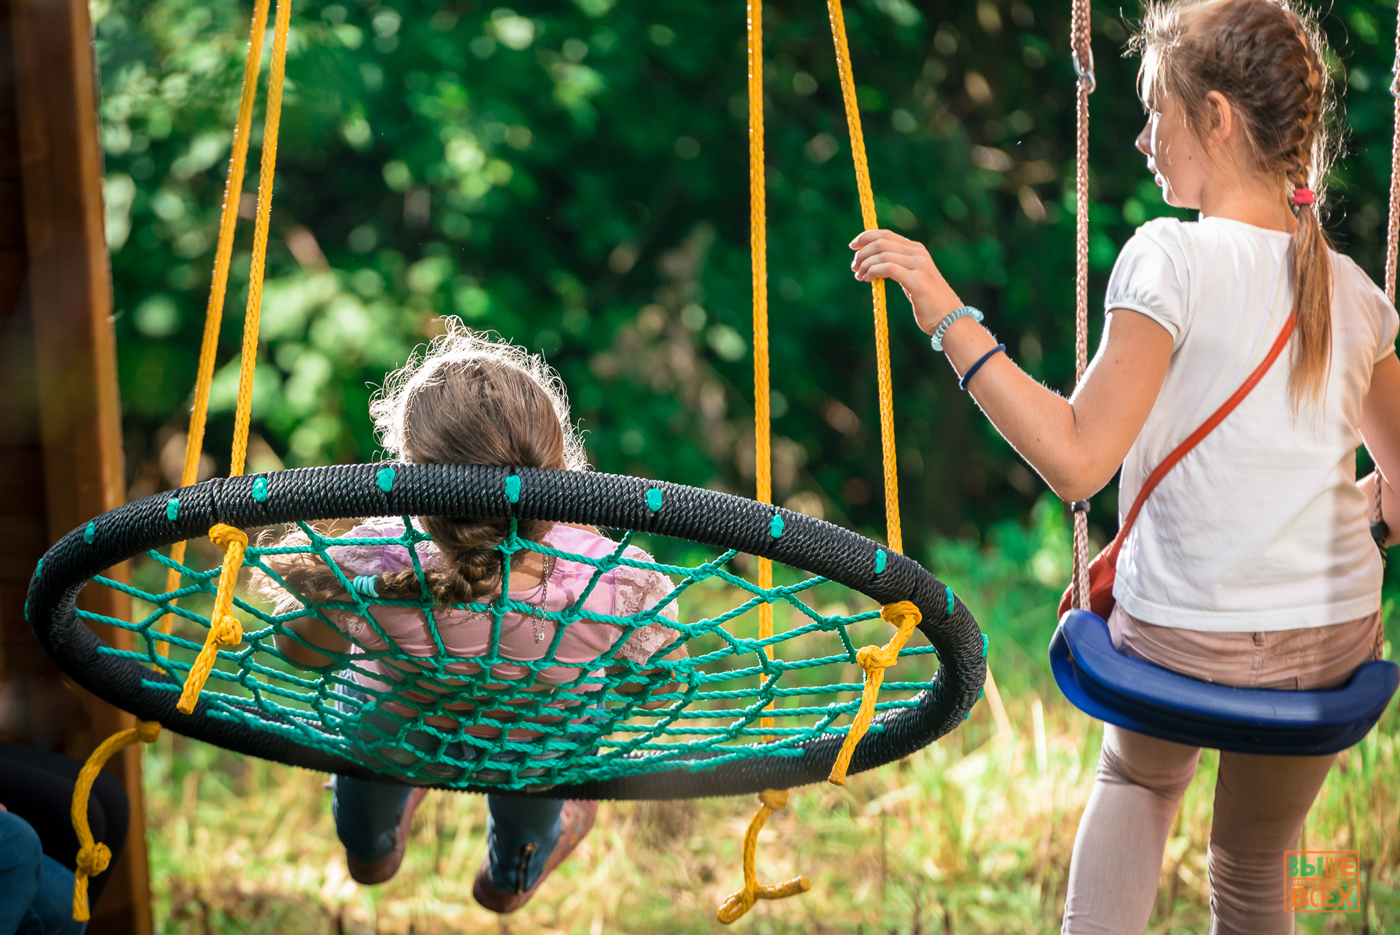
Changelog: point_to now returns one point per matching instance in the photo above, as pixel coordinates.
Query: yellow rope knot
(93, 857)
(874, 660)
(741, 902)
(224, 628)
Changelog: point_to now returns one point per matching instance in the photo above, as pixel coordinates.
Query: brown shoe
(385, 868)
(575, 822)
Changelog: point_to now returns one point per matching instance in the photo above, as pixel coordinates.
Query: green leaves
(574, 177)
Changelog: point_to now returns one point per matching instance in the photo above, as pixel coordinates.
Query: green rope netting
(616, 718)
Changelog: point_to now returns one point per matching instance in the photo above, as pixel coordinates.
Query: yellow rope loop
(877, 287)
(218, 286)
(741, 902)
(224, 628)
(874, 660)
(94, 857)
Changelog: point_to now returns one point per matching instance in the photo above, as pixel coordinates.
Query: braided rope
(737, 904)
(877, 287)
(1392, 235)
(224, 630)
(874, 660)
(218, 287)
(1084, 68)
(93, 856)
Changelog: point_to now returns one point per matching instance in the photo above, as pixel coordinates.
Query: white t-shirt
(1261, 526)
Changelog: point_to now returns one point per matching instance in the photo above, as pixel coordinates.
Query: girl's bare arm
(1380, 427)
(1076, 444)
(318, 634)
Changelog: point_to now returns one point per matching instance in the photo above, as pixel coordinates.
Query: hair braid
(1265, 58)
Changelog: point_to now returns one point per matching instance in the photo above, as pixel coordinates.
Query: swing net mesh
(452, 720)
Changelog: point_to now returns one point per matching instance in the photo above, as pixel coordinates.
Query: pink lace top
(622, 592)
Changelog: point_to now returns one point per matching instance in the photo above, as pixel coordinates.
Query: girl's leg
(1260, 805)
(1117, 858)
(367, 816)
(520, 836)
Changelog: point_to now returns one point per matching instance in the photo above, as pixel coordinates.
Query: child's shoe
(575, 821)
(385, 868)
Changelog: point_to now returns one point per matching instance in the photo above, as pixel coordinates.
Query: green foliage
(574, 177)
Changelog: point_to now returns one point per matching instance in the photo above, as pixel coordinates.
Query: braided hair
(468, 399)
(1266, 59)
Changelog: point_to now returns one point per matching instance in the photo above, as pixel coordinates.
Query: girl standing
(1252, 563)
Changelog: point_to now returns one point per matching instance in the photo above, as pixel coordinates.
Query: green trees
(573, 176)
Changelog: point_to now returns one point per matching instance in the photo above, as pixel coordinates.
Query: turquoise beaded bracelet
(967, 311)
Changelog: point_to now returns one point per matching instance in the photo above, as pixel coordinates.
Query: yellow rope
(218, 287)
(224, 628)
(877, 287)
(874, 660)
(772, 799)
(93, 857)
(741, 902)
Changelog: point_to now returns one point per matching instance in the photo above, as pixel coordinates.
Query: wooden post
(59, 345)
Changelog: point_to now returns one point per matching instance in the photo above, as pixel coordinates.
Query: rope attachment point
(93, 856)
(224, 628)
(875, 660)
(741, 902)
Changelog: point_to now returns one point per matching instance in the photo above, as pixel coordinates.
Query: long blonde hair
(1266, 59)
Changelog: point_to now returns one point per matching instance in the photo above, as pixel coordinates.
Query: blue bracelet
(972, 371)
(967, 311)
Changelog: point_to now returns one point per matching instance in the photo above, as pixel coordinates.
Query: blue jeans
(36, 892)
(367, 817)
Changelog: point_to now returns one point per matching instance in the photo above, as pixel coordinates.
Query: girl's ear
(1221, 121)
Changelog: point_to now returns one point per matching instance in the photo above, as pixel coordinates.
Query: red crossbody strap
(1195, 437)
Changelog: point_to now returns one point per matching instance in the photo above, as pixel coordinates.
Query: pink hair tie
(1301, 197)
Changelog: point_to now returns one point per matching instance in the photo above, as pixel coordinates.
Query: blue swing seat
(1141, 697)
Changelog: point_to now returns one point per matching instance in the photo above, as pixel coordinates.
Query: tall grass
(972, 834)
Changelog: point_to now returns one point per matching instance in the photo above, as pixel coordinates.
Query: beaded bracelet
(967, 311)
(962, 384)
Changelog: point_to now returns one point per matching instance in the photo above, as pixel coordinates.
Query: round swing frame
(352, 491)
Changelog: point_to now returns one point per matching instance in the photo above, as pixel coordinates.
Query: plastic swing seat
(1148, 699)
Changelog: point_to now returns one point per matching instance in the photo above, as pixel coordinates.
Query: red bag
(1103, 569)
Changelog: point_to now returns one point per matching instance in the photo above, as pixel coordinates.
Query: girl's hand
(881, 254)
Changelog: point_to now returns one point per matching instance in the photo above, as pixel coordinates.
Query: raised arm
(1380, 427)
(1075, 444)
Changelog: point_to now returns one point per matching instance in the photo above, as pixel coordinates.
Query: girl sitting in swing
(470, 400)
(1252, 563)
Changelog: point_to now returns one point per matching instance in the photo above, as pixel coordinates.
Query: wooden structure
(60, 425)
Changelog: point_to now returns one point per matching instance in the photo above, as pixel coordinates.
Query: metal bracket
(1086, 75)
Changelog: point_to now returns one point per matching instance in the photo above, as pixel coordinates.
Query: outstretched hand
(882, 254)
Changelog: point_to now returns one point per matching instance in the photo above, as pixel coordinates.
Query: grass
(972, 834)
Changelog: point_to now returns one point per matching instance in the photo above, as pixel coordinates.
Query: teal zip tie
(775, 528)
(260, 489)
(365, 585)
(949, 592)
(38, 573)
(385, 479)
(985, 643)
(653, 499)
(172, 509)
(513, 488)
(881, 558)
(980, 692)
(90, 533)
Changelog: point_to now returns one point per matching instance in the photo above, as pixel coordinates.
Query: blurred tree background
(573, 176)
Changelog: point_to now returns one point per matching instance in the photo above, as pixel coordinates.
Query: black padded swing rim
(352, 491)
